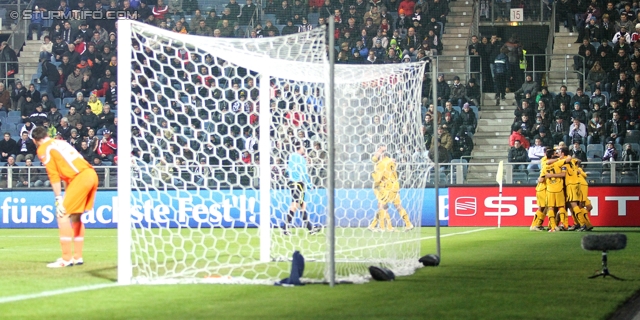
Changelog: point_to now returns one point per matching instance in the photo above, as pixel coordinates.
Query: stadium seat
(3, 114)
(14, 120)
(14, 114)
(635, 147)
(313, 18)
(102, 99)
(65, 101)
(627, 177)
(593, 177)
(619, 149)
(594, 150)
(440, 110)
(633, 136)
(64, 112)
(520, 177)
(606, 177)
(457, 108)
(6, 127)
(58, 103)
(475, 110)
(272, 17)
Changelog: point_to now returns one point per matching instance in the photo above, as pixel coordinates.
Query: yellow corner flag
(500, 174)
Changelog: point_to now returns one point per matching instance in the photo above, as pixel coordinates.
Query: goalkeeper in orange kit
(386, 189)
(65, 164)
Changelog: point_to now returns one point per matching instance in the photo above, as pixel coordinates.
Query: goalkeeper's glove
(61, 212)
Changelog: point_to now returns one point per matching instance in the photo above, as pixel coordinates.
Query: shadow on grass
(104, 273)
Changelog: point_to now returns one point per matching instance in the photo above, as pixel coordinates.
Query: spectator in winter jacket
(107, 147)
(468, 120)
(443, 90)
(527, 85)
(458, 92)
(462, 145)
(516, 134)
(7, 147)
(518, 153)
(473, 93)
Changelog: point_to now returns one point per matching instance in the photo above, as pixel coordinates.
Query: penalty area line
(51, 293)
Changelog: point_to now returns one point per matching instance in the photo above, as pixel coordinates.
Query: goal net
(213, 125)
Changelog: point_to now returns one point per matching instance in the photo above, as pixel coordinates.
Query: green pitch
(507, 273)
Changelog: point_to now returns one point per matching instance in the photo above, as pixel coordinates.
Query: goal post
(207, 130)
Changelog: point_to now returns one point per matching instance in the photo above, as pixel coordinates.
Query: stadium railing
(351, 174)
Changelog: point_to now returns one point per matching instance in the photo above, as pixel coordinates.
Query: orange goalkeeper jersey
(62, 160)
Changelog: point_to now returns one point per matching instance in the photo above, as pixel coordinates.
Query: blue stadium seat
(65, 101)
(14, 114)
(635, 147)
(475, 110)
(633, 136)
(457, 108)
(595, 149)
(3, 114)
(272, 17)
(14, 120)
(519, 177)
(593, 177)
(57, 102)
(64, 111)
(313, 18)
(627, 177)
(102, 99)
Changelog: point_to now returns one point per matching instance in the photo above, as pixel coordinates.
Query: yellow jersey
(582, 177)
(555, 184)
(542, 186)
(572, 176)
(385, 175)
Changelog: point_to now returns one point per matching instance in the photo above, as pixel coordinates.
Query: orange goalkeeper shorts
(80, 194)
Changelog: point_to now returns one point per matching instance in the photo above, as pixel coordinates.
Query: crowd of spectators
(607, 125)
(78, 66)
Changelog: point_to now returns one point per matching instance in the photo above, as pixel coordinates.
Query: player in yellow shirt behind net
(386, 188)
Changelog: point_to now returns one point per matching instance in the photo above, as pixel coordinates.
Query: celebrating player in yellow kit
(386, 189)
(555, 173)
(572, 190)
(585, 203)
(541, 193)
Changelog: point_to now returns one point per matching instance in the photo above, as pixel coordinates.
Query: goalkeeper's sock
(66, 235)
(405, 217)
(78, 239)
(305, 220)
(289, 219)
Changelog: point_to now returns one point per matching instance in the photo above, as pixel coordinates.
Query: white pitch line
(413, 240)
(44, 294)
(107, 285)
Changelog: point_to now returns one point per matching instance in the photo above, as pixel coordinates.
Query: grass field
(486, 273)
